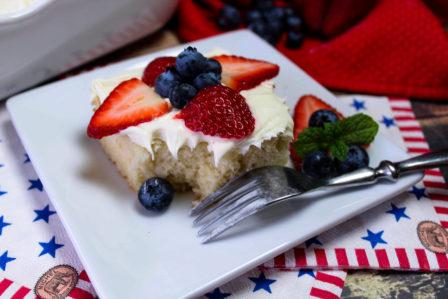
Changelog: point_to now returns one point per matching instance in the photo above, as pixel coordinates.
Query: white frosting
(270, 113)
(10, 6)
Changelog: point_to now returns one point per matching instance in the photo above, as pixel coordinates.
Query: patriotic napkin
(37, 257)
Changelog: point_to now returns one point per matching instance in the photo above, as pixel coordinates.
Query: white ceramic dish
(50, 37)
(130, 254)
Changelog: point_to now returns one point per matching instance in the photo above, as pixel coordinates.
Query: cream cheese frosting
(269, 111)
(10, 6)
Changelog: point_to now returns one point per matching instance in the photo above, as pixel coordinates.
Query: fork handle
(391, 171)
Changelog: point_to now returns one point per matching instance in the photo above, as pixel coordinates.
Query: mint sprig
(359, 129)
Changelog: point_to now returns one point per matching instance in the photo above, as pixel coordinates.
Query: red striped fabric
(441, 210)
(402, 258)
(444, 224)
(21, 293)
(436, 196)
(300, 257)
(83, 276)
(4, 285)
(321, 257)
(404, 118)
(78, 293)
(414, 139)
(383, 260)
(422, 259)
(410, 129)
(361, 256)
(341, 256)
(334, 280)
(319, 293)
(432, 184)
(442, 260)
(279, 261)
(418, 150)
(402, 109)
(433, 172)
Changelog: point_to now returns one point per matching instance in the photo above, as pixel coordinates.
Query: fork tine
(228, 213)
(237, 217)
(221, 192)
(228, 200)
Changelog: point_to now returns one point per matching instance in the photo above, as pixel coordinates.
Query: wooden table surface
(433, 117)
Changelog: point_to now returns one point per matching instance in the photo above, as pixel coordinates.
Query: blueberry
(156, 194)
(213, 65)
(228, 18)
(294, 39)
(260, 28)
(264, 5)
(275, 14)
(253, 16)
(294, 23)
(206, 79)
(319, 117)
(166, 80)
(181, 94)
(275, 28)
(190, 63)
(318, 165)
(288, 11)
(357, 158)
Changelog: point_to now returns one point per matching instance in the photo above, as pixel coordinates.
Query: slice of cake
(218, 130)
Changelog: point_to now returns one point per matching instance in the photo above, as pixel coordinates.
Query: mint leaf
(339, 150)
(359, 129)
(309, 140)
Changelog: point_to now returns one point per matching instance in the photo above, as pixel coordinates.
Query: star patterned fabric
(398, 212)
(418, 192)
(36, 184)
(217, 294)
(50, 247)
(44, 214)
(374, 238)
(4, 259)
(262, 283)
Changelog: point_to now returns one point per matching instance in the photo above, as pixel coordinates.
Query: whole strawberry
(219, 111)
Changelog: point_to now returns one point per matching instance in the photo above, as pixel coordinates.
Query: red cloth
(398, 49)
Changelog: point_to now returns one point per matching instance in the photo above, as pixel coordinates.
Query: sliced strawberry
(240, 73)
(306, 105)
(129, 104)
(219, 111)
(156, 67)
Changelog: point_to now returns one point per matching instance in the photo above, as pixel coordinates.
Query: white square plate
(129, 254)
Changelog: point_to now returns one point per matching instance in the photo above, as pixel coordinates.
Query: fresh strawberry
(129, 104)
(241, 73)
(156, 67)
(219, 111)
(306, 105)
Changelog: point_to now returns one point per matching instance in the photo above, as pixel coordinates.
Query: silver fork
(262, 187)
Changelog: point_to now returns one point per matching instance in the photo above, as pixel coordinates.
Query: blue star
(4, 259)
(35, 184)
(216, 294)
(261, 282)
(418, 192)
(398, 212)
(1, 165)
(44, 214)
(388, 121)
(358, 104)
(312, 241)
(3, 224)
(50, 247)
(374, 239)
(27, 159)
(2, 192)
(309, 272)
